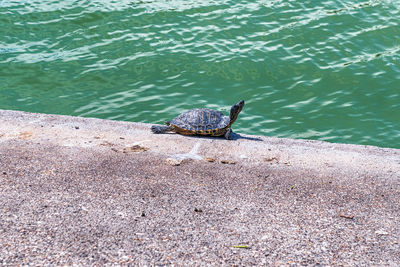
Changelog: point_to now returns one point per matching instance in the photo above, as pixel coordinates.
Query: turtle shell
(201, 121)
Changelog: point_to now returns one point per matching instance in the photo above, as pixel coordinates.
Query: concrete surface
(97, 192)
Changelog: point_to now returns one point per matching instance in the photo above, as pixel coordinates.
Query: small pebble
(174, 162)
(241, 246)
(135, 148)
(271, 159)
(227, 162)
(347, 216)
(381, 232)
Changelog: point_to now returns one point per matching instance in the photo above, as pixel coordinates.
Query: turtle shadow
(236, 136)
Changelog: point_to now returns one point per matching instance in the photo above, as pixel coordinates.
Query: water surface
(326, 70)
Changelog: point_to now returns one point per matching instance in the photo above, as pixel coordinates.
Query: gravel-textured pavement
(97, 192)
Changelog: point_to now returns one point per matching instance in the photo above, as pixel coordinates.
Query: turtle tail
(158, 129)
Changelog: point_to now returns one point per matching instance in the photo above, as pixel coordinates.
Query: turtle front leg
(228, 134)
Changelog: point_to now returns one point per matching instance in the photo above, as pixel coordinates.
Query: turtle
(202, 121)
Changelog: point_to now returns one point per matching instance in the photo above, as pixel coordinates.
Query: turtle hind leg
(158, 129)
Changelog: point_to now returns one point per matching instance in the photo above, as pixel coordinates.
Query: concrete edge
(296, 153)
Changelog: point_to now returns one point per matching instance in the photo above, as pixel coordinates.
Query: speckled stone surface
(89, 191)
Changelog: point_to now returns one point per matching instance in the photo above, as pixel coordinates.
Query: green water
(326, 70)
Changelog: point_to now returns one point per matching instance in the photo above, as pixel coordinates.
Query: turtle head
(235, 110)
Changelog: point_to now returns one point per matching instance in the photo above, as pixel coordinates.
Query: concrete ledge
(84, 191)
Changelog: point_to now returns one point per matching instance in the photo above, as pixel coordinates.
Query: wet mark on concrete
(134, 148)
(130, 149)
(191, 155)
(177, 159)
